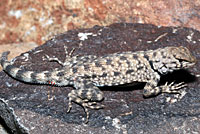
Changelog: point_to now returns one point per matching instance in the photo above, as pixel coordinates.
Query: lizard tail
(24, 75)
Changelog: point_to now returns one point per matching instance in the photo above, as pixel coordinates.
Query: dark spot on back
(146, 56)
(86, 67)
(94, 76)
(47, 74)
(86, 77)
(103, 69)
(74, 70)
(119, 64)
(61, 73)
(57, 82)
(148, 78)
(129, 71)
(104, 75)
(88, 85)
(135, 56)
(154, 54)
(168, 57)
(74, 64)
(97, 64)
(128, 63)
(116, 73)
(108, 62)
(84, 82)
(86, 58)
(164, 56)
(140, 67)
(123, 58)
(84, 94)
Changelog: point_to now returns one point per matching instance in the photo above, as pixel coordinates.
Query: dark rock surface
(29, 108)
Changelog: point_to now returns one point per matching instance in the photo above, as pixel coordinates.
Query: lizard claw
(177, 86)
(172, 88)
(54, 59)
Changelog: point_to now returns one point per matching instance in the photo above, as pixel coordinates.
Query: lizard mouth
(187, 64)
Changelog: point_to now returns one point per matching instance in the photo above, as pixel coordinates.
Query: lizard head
(183, 55)
(172, 58)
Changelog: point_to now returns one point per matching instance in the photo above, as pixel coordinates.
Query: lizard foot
(85, 103)
(172, 88)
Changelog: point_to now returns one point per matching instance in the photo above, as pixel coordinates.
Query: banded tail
(43, 77)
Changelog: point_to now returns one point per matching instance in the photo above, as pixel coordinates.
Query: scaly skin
(87, 73)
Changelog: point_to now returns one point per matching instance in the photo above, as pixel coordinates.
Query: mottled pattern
(87, 73)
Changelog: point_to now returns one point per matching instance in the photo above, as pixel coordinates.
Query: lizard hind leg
(87, 95)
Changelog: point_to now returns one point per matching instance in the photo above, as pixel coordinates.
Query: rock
(29, 108)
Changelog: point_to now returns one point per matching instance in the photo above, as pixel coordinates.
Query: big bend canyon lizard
(87, 73)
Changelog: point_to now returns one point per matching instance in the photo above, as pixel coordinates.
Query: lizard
(87, 73)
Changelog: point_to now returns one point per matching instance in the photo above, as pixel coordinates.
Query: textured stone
(17, 48)
(42, 108)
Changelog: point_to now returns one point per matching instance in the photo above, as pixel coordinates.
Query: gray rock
(29, 108)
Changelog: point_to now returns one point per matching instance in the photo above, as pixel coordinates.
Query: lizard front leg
(87, 95)
(71, 60)
(151, 88)
(67, 58)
